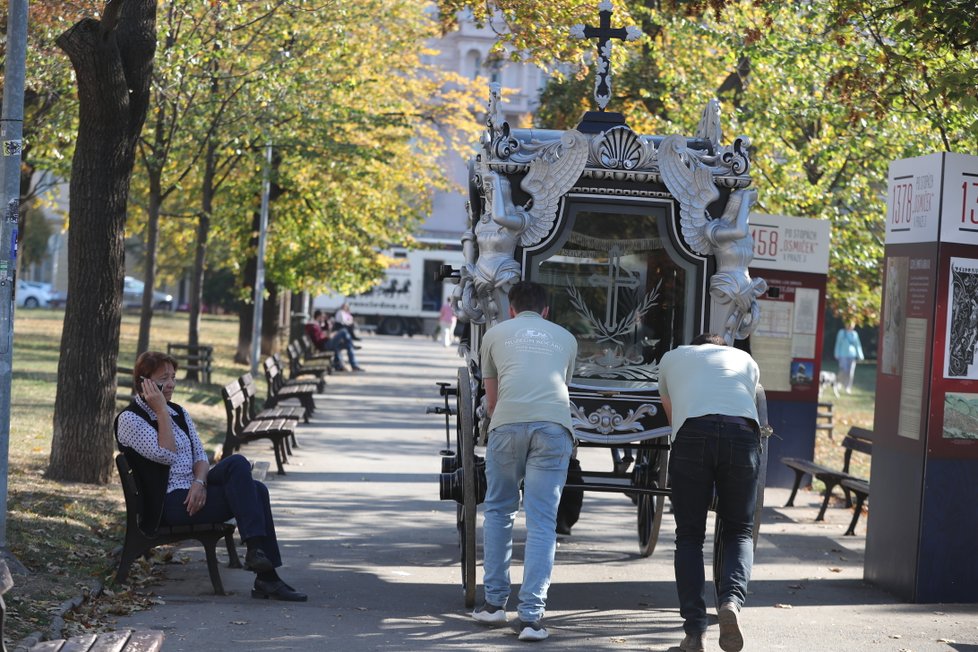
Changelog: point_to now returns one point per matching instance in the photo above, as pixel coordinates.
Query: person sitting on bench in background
(343, 320)
(152, 429)
(339, 340)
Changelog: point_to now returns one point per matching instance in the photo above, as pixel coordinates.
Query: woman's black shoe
(277, 590)
(257, 562)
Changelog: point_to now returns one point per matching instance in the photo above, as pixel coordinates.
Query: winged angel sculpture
(502, 225)
(727, 238)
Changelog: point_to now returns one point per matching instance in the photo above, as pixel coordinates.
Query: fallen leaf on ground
(781, 605)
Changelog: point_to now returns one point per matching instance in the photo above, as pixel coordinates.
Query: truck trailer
(408, 299)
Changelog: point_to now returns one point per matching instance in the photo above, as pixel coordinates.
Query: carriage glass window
(618, 285)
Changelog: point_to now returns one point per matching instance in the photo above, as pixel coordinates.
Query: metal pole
(11, 141)
(266, 189)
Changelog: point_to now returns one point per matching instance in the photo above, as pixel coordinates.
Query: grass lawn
(848, 410)
(64, 534)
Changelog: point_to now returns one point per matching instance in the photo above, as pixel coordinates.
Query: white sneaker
(731, 638)
(532, 631)
(490, 614)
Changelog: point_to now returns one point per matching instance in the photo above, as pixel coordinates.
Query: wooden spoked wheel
(466, 438)
(650, 507)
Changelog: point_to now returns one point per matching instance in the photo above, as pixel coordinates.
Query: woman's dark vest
(151, 477)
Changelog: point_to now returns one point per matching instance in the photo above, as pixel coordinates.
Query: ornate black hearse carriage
(642, 241)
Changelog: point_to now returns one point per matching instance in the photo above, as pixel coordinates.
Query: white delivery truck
(409, 297)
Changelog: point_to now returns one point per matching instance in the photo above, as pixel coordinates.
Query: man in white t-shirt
(708, 393)
(527, 363)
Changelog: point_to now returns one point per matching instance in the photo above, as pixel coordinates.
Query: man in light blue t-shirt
(708, 391)
(527, 363)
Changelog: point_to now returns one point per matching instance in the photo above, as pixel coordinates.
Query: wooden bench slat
(81, 643)
(144, 640)
(108, 642)
(48, 646)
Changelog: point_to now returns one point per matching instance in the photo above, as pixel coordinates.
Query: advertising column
(923, 525)
(792, 255)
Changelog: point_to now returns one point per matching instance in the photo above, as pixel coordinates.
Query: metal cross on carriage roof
(604, 33)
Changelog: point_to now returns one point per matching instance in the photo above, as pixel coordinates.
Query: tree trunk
(200, 251)
(149, 273)
(246, 313)
(113, 61)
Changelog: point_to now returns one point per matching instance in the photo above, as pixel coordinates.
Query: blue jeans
(713, 456)
(537, 453)
(340, 341)
(231, 492)
(847, 372)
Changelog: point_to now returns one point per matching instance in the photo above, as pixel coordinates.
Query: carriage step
(437, 409)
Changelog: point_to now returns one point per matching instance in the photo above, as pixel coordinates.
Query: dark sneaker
(490, 614)
(693, 643)
(731, 638)
(358, 369)
(531, 631)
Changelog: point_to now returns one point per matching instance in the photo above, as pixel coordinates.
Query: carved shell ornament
(620, 148)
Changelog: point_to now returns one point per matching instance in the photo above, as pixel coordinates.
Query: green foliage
(357, 116)
(36, 232)
(829, 92)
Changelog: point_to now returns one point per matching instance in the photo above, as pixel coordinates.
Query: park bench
(142, 535)
(123, 381)
(861, 490)
(310, 352)
(6, 583)
(242, 429)
(280, 389)
(250, 391)
(824, 418)
(195, 360)
(127, 640)
(858, 439)
(314, 370)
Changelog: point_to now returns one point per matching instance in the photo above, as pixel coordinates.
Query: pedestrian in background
(848, 349)
(446, 322)
(708, 391)
(527, 363)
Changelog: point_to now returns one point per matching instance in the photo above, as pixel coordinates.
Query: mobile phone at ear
(160, 385)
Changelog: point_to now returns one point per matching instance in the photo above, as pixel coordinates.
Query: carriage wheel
(465, 433)
(650, 507)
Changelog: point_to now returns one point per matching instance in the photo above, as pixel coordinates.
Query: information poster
(914, 377)
(894, 314)
(961, 341)
(960, 416)
(771, 345)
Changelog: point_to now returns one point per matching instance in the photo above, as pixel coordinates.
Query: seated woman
(163, 432)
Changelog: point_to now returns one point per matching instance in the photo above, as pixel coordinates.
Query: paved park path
(364, 534)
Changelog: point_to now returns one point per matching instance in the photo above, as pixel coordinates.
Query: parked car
(132, 296)
(33, 295)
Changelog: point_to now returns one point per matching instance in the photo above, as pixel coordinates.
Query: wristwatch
(202, 483)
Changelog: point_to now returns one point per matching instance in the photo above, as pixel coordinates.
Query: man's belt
(723, 418)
